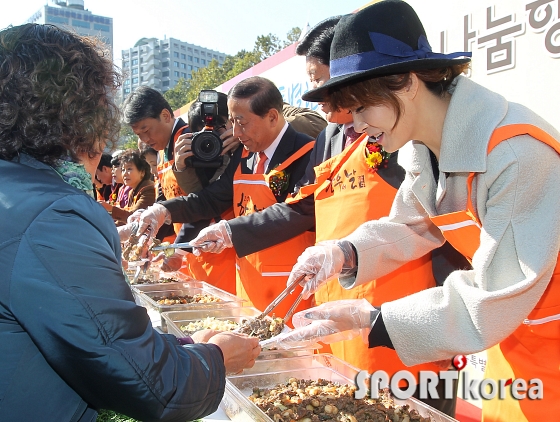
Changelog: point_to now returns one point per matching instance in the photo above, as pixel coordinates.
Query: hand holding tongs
(282, 296)
(184, 245)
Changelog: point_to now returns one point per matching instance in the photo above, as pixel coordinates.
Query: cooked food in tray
(313, 401)
(254, 327)
(209, 323)
(134, 250)
(183, 299)
(263, 328)
(169, 280)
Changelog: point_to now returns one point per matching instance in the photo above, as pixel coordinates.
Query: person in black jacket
(72, 340)
(256, 135)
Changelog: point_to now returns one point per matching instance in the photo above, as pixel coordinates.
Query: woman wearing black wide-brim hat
(482, 173)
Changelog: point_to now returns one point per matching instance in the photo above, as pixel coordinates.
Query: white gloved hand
(125, 231)
(319, 263)
(347, 314)
(329, 322)
(214, 238)
(154, 217)
(307, 336)
(135, 216)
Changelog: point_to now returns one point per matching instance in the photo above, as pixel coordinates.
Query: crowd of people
(412, 213)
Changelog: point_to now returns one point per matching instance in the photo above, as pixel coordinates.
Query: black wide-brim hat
(382, 39)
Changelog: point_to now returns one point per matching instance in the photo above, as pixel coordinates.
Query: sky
(224, 25)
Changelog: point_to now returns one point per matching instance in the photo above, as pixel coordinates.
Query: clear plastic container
(268, 373)
(146, 295)
(175, 319)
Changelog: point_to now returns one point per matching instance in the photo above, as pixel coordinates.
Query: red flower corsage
(376, 156)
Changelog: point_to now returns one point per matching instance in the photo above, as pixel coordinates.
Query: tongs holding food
(144, 268)
(289, 289)
(169, 248)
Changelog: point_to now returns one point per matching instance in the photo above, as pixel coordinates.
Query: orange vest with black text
(261, 276)
(347, 194)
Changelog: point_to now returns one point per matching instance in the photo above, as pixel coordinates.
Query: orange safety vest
(350, 194)
(167, 179)
(533, 349)
(261, 276)
(215, 269)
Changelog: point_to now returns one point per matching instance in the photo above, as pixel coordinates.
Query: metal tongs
(288, 290)
(185, 245)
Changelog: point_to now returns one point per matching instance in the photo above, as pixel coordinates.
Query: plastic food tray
(174, 320)
(145, 295)
(268, 373)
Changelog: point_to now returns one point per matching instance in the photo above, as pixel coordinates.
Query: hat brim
(320, 94)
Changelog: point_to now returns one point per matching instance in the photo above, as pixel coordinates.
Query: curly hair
(382, 90)
(56, 94)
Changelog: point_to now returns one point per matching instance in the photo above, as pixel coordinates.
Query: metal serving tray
(155, 276)
(268, 373)
(145, 295)
(174, 320)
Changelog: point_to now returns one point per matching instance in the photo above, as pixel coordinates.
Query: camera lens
(206, 146)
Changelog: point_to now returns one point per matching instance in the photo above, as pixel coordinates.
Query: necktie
(261, 162)
(351, 136)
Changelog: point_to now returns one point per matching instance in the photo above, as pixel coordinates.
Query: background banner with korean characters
(515, 46)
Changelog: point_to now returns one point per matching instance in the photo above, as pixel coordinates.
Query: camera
(206, 144)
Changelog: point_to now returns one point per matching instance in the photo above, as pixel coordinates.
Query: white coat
(516, 195)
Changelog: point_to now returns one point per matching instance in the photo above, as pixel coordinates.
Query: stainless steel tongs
(288, 290)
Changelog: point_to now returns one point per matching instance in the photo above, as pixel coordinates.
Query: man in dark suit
(258, 123)
(284, 221)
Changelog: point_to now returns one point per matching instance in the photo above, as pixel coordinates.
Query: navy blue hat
(382, 39)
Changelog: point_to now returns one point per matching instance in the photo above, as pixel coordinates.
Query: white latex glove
(328, 323)
(347, 314)
(325, 331)
(125, 231)
(135, 216)
(153, 217)
(319, 263)
(214, 238)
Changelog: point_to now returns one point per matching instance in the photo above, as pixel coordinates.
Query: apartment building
(161, 63)
(71, 14)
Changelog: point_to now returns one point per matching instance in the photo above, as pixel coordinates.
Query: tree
(213, 75)
(127, 138)
(267, 45)
(243, 60)
(177, 96)
(292, 36)
(206, 78)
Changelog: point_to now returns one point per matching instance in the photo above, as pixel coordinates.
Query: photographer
(216, 270)
(150, 116)
(272, 148)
